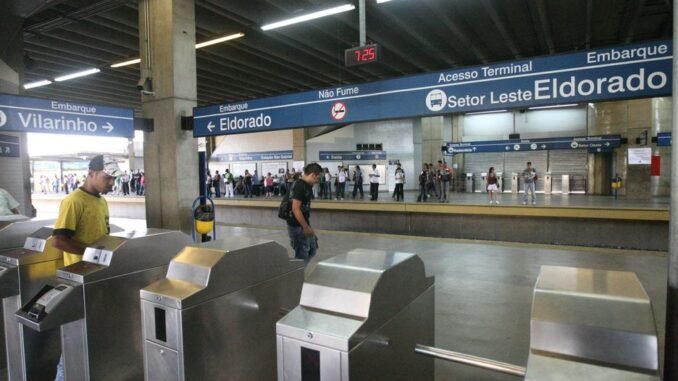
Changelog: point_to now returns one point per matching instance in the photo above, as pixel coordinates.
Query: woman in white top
(399, 181)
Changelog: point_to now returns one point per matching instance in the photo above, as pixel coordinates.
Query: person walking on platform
(228, 178)
(216, 183)
(83, 217)
(328, 184)
(374, 183)
(247, 182)
(423, 179)
(399, 184)
(342, 176)
(125, 184)
(445, 178)
(431, 180)
(529, 176)
(357, 182)
(302, 237)
(492, 185)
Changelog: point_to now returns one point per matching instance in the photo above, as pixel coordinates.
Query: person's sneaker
(490, 202)
(524, 202)
(496, 202)
(534, 203)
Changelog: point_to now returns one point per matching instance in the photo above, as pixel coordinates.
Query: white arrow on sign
(607, 144)
(3, 118)
(474, 149)
(210, 126)
(543, 146)
(507, 148)
(108, 127)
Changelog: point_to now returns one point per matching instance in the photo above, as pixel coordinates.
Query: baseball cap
(105, 163)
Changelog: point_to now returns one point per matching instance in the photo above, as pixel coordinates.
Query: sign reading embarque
(622, 72)
(26, 114)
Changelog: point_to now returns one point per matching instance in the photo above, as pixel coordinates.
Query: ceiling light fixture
(126, 63)
(554, 106)
(382, 1)
(486, 112)
(33, 85)
(219, 40)
(309, 16)
(77, 75)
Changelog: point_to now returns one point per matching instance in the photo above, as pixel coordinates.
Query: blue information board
(255, 156)
(664, 139)
(26, 114)
(9, 146)
(352, 155)
(603, 143)
(622, 72)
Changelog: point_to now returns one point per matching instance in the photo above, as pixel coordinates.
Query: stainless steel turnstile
(548, 186)
(586, 325)
(213, 317)
(360, 315)
(95, 302)
(515, 182)
(591, 325)
(31, 355)
(12, 236)
(469, 183)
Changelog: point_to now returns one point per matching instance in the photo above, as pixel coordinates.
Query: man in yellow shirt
(83, 214)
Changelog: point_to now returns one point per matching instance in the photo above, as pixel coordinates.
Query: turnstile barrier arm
(478, 362)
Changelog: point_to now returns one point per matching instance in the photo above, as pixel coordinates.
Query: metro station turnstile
(31, 355)
(469, 183)
(213, 317)
(95, 303)
(586, 325)
(515, 185)
(12, 236)
(360, 315)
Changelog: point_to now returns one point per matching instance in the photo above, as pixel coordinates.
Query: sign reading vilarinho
(622, 72)
(26, 114)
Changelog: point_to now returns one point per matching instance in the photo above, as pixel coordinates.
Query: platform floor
(483, 289)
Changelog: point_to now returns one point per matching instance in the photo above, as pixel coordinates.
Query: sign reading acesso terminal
(622, 72)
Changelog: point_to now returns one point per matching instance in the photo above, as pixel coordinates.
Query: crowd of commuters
(435, 180)
(125, 184)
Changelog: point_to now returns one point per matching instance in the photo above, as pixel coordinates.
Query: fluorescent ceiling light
(218, 40)
(125, 63)
(554, 106)
(382, 1)
(486, 112)
(77, 75)
(32, 85)
(310, 16)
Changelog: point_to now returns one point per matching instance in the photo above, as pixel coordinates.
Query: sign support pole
(671, 342)
(361, 17)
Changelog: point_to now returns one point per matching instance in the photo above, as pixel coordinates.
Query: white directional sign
(25, 114)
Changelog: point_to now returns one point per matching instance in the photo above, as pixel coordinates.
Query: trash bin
(565, 184)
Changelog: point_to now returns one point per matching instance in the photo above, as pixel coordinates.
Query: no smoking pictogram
(338, 111)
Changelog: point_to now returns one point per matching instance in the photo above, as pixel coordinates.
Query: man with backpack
(295, 208)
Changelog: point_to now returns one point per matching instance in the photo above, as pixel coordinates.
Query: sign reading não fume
(622, 72)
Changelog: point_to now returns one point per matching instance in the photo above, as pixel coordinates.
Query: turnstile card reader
(591, 325)
(30, 355)
(95, 302)
(14, 235)
(213, 317)
(360, 315)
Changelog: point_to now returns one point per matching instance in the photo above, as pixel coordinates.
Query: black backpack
(285, 208)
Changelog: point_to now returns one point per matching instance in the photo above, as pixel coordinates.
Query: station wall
(253, 142)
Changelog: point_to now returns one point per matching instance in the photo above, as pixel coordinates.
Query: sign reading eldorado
(623, 72)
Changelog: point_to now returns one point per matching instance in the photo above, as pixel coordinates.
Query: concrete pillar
(299, 145)
(15, 172)
(167, 50)
(432, 138)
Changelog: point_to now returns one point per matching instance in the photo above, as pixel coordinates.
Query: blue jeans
(529, 188)
(304, 246)
(60, 369)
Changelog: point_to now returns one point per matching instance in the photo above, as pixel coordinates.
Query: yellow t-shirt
(83, 217)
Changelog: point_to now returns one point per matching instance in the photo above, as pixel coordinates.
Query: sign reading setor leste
(622, 72)
(26, 114)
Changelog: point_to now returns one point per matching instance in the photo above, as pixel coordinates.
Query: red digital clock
(362, 55)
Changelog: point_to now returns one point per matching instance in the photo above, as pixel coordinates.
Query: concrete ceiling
(415, 35)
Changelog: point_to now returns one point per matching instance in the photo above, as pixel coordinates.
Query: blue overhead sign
(622, 72)
(603, 143)
(255, 156)
(352, 155)
(9, 146)
(664, 139)
(25, 114)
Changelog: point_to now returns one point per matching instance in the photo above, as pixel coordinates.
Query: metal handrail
(476, 361)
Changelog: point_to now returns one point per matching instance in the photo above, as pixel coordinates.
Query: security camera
(145, 85)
